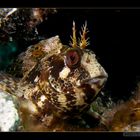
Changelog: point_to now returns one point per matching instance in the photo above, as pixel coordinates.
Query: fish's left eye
(72, 58)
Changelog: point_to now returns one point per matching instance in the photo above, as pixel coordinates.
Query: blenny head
(75, 76)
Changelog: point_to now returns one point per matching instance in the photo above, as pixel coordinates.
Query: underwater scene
(64, 69)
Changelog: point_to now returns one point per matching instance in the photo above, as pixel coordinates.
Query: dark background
(114, 37)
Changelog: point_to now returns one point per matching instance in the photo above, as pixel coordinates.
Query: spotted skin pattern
(60, 81)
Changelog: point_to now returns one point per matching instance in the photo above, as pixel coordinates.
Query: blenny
(57, 80)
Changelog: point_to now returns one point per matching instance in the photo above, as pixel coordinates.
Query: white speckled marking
(93, 67)
(40, 104)
(78, 83)
(36, 79)
(64, 73)
(62, 99)
(43, 98)
(79, 96)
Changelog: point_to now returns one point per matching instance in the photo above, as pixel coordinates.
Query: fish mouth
(98, 80)
(95, 80)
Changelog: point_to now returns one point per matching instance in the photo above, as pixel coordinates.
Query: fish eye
(73, 58)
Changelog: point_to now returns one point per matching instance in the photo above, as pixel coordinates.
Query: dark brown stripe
(89, 93)
(58, 65)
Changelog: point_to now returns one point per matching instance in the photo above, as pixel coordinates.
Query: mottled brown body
(59, 81)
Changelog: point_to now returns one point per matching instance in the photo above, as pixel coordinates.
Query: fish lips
(98, 80)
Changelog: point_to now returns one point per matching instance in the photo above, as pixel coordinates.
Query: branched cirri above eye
(73, 58)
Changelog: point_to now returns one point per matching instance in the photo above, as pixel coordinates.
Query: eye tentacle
(83, 41)
(73, 43)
